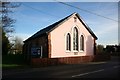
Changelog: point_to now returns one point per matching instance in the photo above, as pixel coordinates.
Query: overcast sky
(33, 16)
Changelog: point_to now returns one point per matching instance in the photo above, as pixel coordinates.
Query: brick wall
(37, 62)
(56, 61)
(49, 45)
(37, 42)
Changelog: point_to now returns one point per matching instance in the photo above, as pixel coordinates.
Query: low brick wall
(56, 61)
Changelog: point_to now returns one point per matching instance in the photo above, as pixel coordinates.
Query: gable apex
(50, 28)
(86, 26)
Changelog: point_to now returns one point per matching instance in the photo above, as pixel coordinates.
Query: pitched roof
(53, 26)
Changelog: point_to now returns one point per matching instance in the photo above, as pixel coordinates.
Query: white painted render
(58, 40)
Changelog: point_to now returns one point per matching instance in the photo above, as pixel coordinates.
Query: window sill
(81, 51)
(68, 51)
(75, 51)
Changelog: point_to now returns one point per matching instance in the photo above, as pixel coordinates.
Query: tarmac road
(106, 69)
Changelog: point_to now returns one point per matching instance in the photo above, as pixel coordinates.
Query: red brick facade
(37, 42)
(37, 62)
(64, 60)
(49, 45)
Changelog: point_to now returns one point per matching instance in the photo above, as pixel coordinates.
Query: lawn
(10, 65)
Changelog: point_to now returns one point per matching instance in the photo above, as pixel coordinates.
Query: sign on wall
(36, 51)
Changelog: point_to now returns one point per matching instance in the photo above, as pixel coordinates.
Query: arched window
(82, 43)
(75, 39)
(68, 42)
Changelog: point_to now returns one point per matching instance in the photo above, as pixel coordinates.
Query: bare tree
(6, 22)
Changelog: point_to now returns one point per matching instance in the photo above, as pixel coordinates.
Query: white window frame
(82, 43)
(73, 37)
(66, 42)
